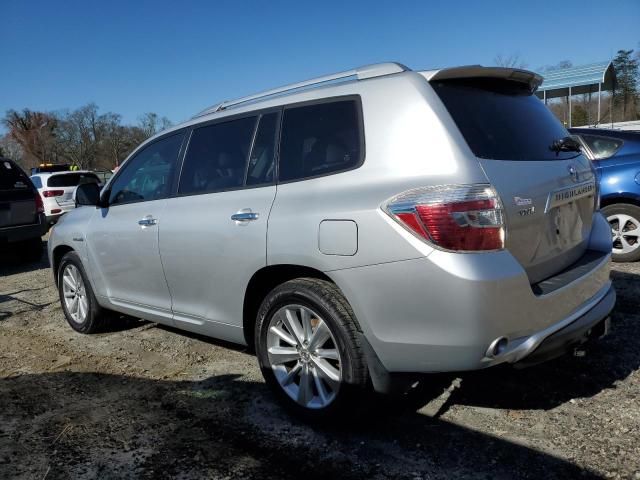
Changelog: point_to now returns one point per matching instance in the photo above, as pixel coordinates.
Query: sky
(177, 57)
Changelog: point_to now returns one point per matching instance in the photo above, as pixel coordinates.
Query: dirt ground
(145, 401)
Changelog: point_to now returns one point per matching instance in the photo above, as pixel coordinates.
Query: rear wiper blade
(566, 144)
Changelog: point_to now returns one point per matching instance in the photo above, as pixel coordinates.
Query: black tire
(330, 304)
(30, 250)
(633, 212)
(95, 317)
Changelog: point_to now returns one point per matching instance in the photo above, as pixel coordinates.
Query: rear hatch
(67, 183)
(548, 195)
(17, 197)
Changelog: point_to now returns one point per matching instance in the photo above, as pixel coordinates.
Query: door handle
(245, 216)
(147, 221)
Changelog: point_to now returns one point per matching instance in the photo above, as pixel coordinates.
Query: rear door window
(502, 120)
(260, 170)
(71, 179)
(320, 139)
(602, 147)
(217, 156)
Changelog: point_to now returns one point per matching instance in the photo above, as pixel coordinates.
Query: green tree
(627, 76)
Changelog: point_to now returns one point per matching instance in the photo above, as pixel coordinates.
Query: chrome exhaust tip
(497, 347)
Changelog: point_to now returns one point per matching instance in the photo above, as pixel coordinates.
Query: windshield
(502, 120)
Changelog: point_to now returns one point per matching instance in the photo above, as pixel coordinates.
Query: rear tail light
(465, 218)
(53, 193)
(39, 203)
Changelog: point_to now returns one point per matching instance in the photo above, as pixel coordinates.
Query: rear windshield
(71, 179)
(502, 120)
(12, 178)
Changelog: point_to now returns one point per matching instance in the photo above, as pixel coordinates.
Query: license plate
(570, 194)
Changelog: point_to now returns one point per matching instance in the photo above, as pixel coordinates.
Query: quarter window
(217, 157)
(149, 174)
(602, 147)
(319, 139)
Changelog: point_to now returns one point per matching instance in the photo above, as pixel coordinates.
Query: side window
(217, 156)
(36, 182)
(319, 139)
(148, 175)
(261, 164)
(602, 147)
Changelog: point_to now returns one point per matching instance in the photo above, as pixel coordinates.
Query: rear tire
(624, 220)
(308, 349)
(78, 301)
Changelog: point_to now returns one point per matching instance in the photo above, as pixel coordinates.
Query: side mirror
(87, 194)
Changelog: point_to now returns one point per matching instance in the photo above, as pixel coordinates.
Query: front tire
(308, 349)
(78, 301)
(624, 220)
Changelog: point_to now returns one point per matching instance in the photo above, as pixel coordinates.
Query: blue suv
(616, 156)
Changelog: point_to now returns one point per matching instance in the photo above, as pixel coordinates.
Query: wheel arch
(57, 254)
(265, 280)
(609, 200)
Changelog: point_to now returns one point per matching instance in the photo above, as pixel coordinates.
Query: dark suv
(22, 220)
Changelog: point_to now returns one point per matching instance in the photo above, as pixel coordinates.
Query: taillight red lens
(453, 217)
(53, 193)
(39, 203)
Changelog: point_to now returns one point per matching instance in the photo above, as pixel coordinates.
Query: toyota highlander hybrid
(358, 229)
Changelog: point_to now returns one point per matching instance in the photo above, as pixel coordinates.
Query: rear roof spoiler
(533, 80)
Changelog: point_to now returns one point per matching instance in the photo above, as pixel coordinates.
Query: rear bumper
(60, 210)
(444, 312)
(23, 232)
(592, 325)
(538, 348)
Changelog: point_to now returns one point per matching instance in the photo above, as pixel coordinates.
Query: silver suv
(359, 229)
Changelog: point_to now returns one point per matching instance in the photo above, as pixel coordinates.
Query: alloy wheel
(304, 356)
(625, 232)
(75, 294)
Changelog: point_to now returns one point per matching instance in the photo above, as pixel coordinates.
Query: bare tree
(509, 61)
(11, 148)
(151, 124)
(78, 132)
(35, 133)
(561, 65)
(82, 137)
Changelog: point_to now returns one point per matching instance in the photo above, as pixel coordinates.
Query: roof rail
(360, 73)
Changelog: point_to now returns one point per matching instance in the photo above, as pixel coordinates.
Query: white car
(57, 189)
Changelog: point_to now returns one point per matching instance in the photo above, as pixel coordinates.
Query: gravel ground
(145, 401)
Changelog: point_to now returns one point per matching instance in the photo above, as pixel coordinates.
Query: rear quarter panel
(410, 141)
(619, 179)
